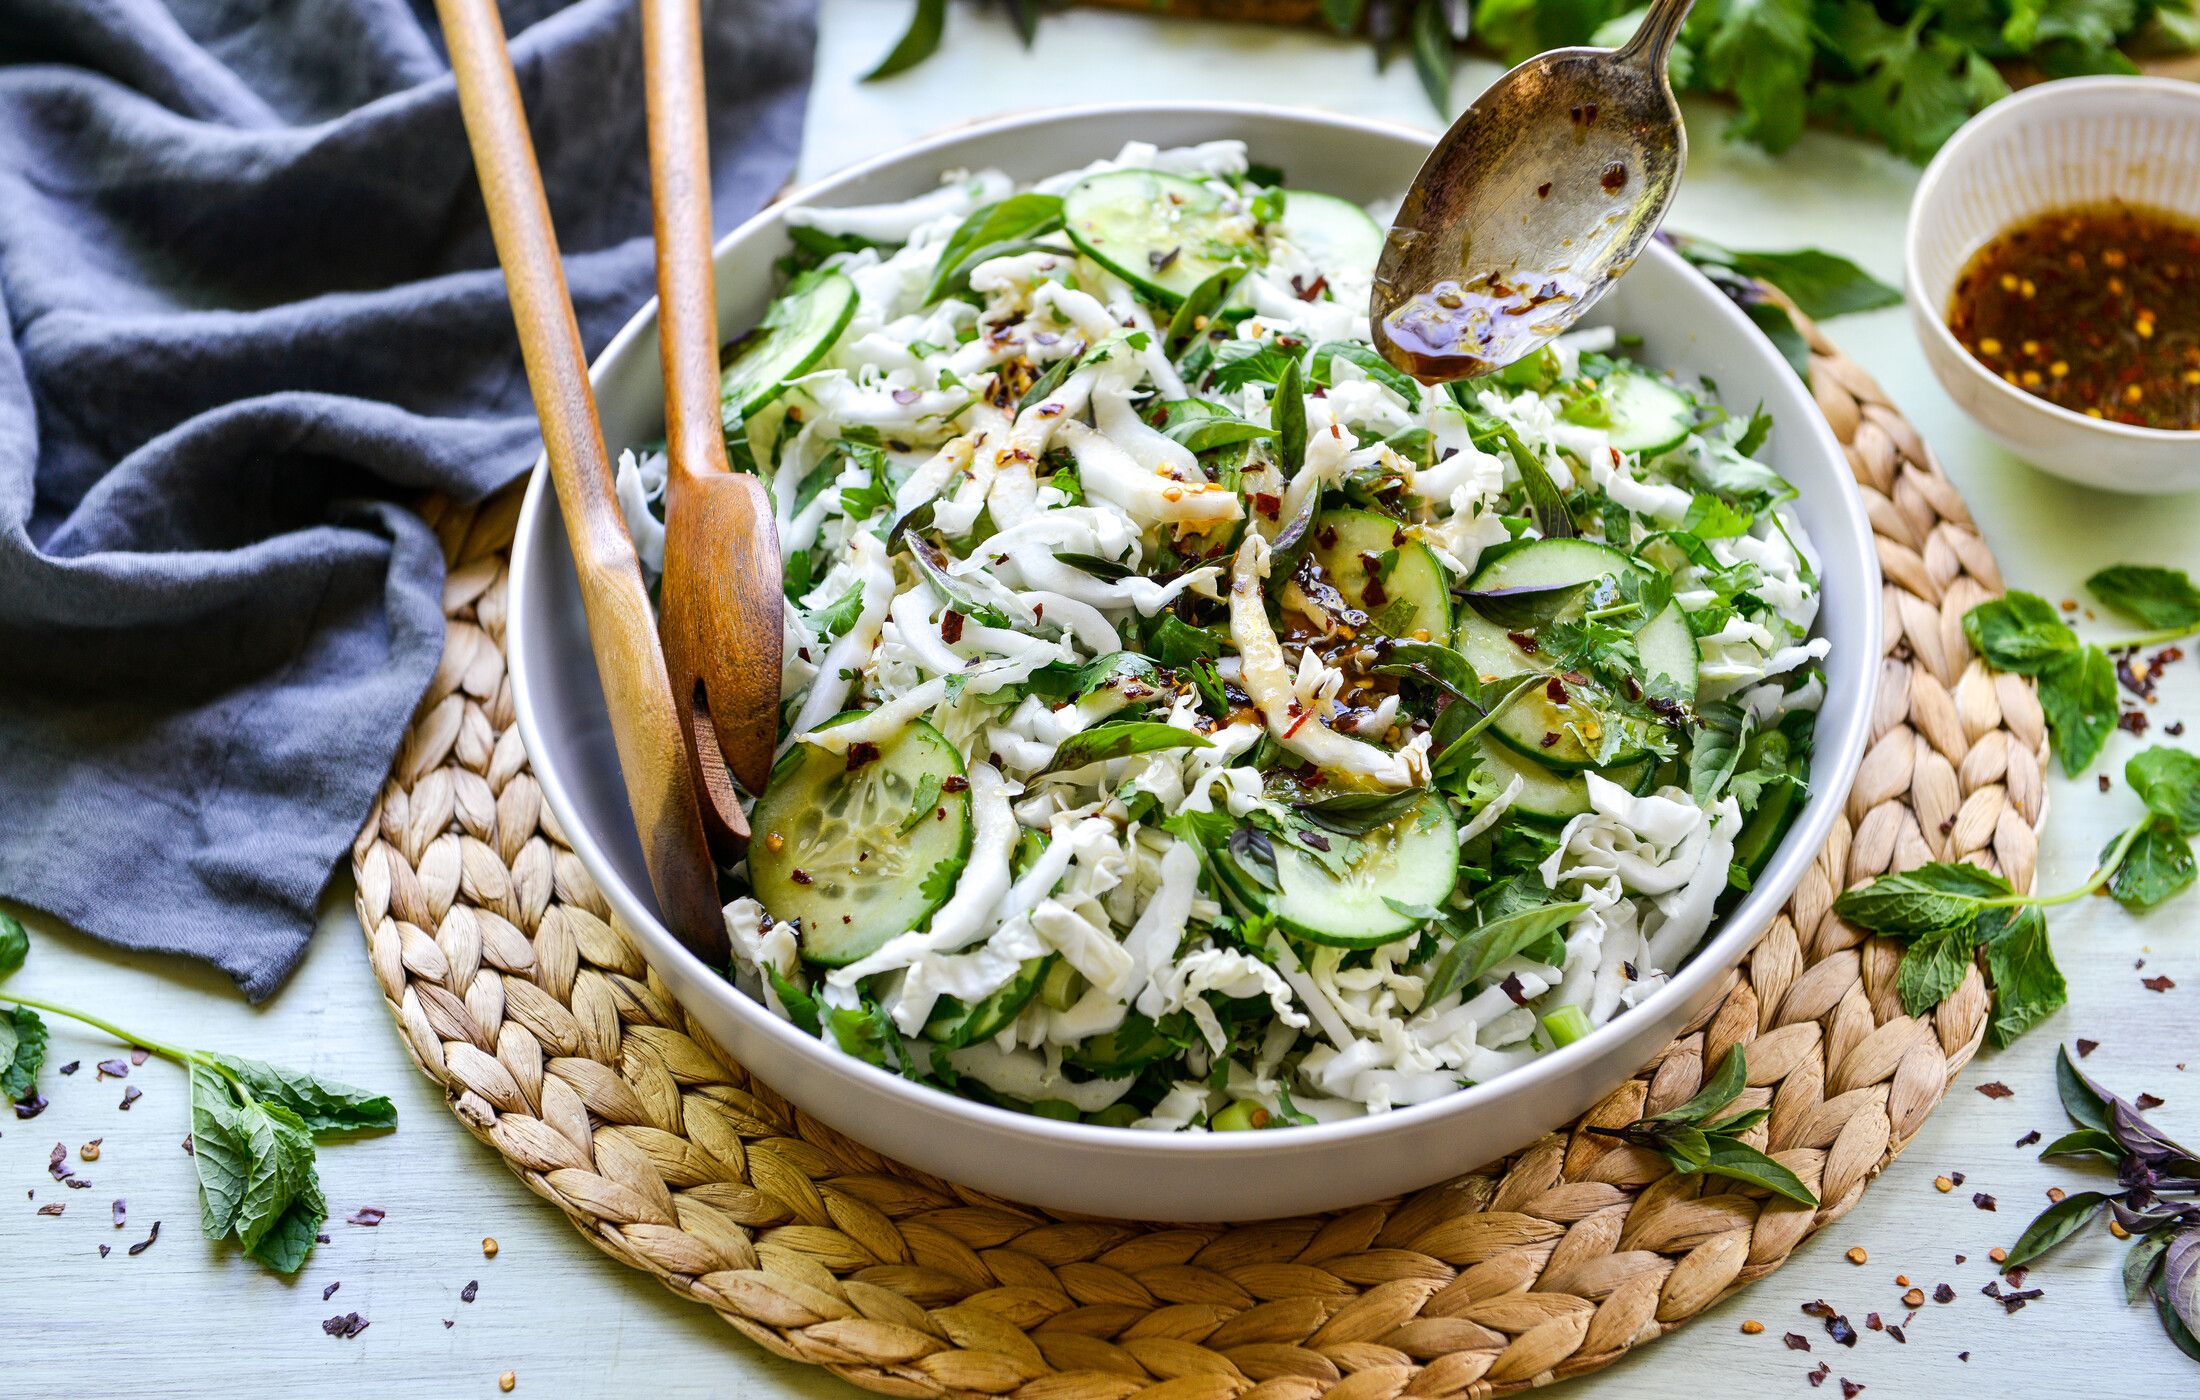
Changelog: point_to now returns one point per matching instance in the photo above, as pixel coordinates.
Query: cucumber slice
(1336, 235)
(1548, 797)
(1408, 599)
(797, 331)
(1769, 821)
(1555, 726)
(1127, 1049)
(837, 849)
(1649, 416)
(953, 1025)
(1415, 859)
(1161, 233)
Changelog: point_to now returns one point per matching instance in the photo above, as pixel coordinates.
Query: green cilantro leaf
(1761, 52)
(841, 614)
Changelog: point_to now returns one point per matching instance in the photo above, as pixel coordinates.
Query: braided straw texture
(560, 1049)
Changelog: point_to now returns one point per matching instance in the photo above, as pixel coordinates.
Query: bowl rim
(2076, 92)
(1729, 942)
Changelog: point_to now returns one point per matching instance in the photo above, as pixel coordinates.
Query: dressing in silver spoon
(1539, 197)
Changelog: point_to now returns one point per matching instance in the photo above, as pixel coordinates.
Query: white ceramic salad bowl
(1685, 324)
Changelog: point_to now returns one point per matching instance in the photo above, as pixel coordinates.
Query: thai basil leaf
(1527, 607)
(1287, 410)
(1121, 740)
(1196, 315)
(1321, 368)
(917, 43)
(931, 561)
(2055, 1224)
(1201, 426)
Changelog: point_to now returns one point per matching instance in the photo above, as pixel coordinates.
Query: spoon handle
(1653, 41)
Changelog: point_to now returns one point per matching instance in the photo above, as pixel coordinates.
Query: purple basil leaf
(2180, 1279)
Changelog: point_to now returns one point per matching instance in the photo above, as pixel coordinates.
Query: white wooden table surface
(187, 1318)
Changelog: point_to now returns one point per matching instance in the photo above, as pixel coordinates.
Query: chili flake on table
(2094, 308)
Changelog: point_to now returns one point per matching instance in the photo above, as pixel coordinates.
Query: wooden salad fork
(721, 605)
(646, 724)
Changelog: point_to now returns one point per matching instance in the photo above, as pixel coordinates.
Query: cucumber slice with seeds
(797, 331)
(1404, 595)
(1648, 415)
(1161, 233)
(1556, 725)
(1335, 234)
(953, 1025)
(1547, 796)
(831, 851)
(1414, 859)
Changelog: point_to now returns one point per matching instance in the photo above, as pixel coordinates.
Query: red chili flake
(1871, 1320)
(470, 1291)
(368, 1216)
(147, 1243)
(1851, 1389)
(1818, 1307)
(1513, 987)
(1543, 191)
(2087, 1047)
(330, 1291)
(122, 1212)
(2015, 1302)
(800, 876)
(1992, 1290)
(951, 626)
(1267, 504)
(1894, 1330)
(1556, 689)
(1312, 290)
(1944, 1294)
(2175, 730)
(1995, 1089)
(2132, 721)
(190, 1148)
(2148, 1102)
(2104, 782)
(345, 1326)
(1963, 1356)
(2029, 1138)
(1796, 1341)
(860, 753)
(112, 1069)
(1524, 640)
(2156, 984)
(449, 1323)
(954, 782)
(1817, 1375)
(130, 1095)
(1982, 1200)
(1839, 1329)
(1549, 740)
(2016, 1276)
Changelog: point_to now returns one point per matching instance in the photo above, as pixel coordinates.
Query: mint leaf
(2159, 598)
(15, 944)
(321, 1105)
(284, 1241)
(218, 1149)
(1933, 966)
(2028, 987)
(1242, 362)
(2158, 865)
(1931, 897)
(2078, 693)
(22, 1052)
(2019, 632)
(2168, 781)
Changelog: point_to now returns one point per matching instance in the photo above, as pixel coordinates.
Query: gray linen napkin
(248, 303)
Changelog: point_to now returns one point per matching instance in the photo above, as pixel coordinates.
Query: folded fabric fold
(249, 307)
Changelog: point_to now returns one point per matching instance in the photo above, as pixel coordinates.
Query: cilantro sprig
(254, 1126)
(1695, 1139)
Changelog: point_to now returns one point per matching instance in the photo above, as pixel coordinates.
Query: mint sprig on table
(1950, 913)
(2158, 1207)
(2025, 634)
(253, 1125)
(1693, 1139)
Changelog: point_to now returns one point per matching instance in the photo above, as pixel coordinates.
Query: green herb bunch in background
(1907, 72)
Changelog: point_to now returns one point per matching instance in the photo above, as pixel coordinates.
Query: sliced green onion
(1567, 1025)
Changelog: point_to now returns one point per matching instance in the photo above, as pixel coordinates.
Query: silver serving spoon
(1538, 199)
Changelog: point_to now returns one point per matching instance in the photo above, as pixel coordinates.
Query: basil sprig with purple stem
(1951, 912)
(2158, 1203)
(1694, 1138)
(253, 1125)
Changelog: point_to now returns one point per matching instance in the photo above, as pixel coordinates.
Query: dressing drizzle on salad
(1191, 722)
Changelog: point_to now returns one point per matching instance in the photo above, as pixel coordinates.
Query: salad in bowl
(1193, 723)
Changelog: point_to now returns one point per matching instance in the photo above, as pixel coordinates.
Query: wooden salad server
(646, 724)
(722, 600)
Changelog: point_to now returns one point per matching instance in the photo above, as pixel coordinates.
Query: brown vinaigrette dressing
(2095, 308)
(1456, 330)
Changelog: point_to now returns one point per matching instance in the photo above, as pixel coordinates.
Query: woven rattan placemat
(560, 1049)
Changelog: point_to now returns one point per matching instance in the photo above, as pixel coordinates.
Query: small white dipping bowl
(2077, 141)
(1117, 1171)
